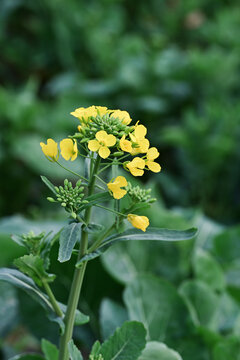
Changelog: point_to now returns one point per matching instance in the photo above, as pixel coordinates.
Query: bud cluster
(110, 124)
(139, 195)
(32, 242)
(71, 198)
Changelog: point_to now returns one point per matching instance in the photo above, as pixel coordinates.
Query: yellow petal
(93, 145)
(50, 149)
(68, 149)
(101, 136)
(143, 145)
(153, 166)
(102, 110)
(122, 115)
(136, 166)
(139, 222)
(104, 152)
(121, 181)
(110, 140)
(152, 153)
(140, 132)
(125, 145)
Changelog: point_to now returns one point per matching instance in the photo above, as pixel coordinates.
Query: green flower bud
(51, 199)
(118, 153)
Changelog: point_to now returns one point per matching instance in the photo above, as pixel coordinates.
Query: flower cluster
(109, 134)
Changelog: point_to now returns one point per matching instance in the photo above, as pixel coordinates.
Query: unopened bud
(118, 153)
(51, 199)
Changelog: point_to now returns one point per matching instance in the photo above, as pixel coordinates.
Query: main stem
(77, 278)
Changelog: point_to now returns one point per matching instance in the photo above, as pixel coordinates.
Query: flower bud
(50, 199)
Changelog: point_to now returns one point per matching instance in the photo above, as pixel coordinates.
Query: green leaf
(112, 315)
(201, 301)
(8, 308)
(96, 199)
(74, 353)
(27, 357)
(156, 303)
(68, 238)
(227, 349)
(49, 184)
(152, 234)
(50, 351)
(33, 266)
(208, 270)
(93, 228)
(80, 318)
(158, 351)
(25, 283)
(95, 348)
(126, 343)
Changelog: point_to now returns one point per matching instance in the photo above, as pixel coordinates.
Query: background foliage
(175, 66)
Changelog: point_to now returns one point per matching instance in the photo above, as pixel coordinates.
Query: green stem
(52, 299)
(101, 238)
(113, 211)
(77, 278)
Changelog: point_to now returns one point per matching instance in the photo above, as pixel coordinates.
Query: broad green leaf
(208, 270)
(68, 238)
(49, 184)
(33, 266)
(201, 301)
(25, 283)
(156, 303)
(227, 349)
(50, 351)
(27, 357)
(74, 353)
(112, 315)
(158, 351)
(8, 308)
(227, 245)
(126, 343)
(152, 234)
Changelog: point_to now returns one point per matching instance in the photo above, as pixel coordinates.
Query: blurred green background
(175, 66)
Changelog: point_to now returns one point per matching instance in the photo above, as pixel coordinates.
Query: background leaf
(158, 351)
(127, 342)
(156, 303)
(112, 315)
(50, 351)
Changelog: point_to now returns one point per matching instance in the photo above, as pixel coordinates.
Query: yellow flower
(136, 166)
(101, 144)
(152, 154)
(115, 187)
(89, 111)
(139, 222)
(141, 144)
(125, 145)
(69, 149)
(122, 115)
(79, 128)
(50, 150)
